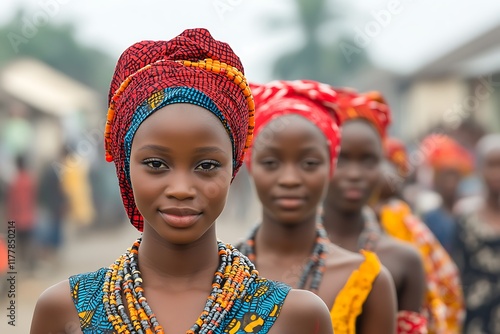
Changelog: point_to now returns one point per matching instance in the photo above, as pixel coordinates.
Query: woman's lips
(180, 217)
(353, 194)
(289, 203)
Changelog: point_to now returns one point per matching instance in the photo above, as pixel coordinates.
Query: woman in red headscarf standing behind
(349, 221)
(291, 163)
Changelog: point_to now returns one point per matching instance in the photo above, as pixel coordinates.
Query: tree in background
(317, 60)
(57, 46)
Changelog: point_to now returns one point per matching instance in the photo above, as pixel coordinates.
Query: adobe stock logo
(224, 6)
(373, 28)
(30, 25)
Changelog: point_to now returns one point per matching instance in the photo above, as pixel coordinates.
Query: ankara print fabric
(255, 313)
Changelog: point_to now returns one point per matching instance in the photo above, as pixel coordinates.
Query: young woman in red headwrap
(180, 119)
(443, 305)
(291, 162)
(347, 219)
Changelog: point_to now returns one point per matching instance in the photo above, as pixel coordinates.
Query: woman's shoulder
(350, 301)
(273, 307)
(303, 312)
(55, 311)
(57, 307)
(402, 250)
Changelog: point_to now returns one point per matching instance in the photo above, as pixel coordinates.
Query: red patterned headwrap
(192, 67)
(370, 106)
(395, 152)
(442, 151)
(312, 100)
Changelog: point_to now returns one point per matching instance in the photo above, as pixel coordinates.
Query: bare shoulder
(410, 277)
(303, 313)
(403, 250)
(383, 290)
(379, 310)
(55, 311)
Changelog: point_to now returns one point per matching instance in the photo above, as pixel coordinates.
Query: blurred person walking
(443, 305)
(450, 164)
(74, 176)
(3, 266)
(53, 204)
(21, 208)
(477, 245)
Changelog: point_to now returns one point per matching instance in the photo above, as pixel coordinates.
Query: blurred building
(439, 85)
(460, 85)
(42, 108)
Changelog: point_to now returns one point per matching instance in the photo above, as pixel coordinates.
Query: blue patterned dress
(256, 313)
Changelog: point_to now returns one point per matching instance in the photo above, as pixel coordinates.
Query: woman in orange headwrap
(180, 119)
(443, 304)
(350, 223)
(293, 158)
(450, 163)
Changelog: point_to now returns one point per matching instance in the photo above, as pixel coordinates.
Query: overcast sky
(414, 32)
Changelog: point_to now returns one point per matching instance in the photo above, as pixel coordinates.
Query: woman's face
(491, 171)
(358, 168)
(180, 170)
(446, 182)
(290, 169)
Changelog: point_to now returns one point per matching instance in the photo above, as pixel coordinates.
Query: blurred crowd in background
(53, 90)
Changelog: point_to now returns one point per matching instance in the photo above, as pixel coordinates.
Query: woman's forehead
(182, 120)
(360, 130)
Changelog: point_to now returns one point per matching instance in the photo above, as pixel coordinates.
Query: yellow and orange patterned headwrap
(443, 152)
(370, 106)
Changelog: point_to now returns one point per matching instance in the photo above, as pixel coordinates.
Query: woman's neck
(343, 224)
(165, 265)
(285, 239)
(448, 204)
(493, 203)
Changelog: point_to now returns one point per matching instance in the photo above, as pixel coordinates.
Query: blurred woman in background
(350, 223)
(443, 305)
(450, 164)
(477, 245)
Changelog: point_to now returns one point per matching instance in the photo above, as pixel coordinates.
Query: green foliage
(57, 46)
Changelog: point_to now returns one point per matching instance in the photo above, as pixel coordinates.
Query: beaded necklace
(372, 231)
(231, 281)
(315, 265)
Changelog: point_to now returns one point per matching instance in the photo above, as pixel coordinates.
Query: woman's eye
(310, 164)
(208, 166)
(154, 164)
(269, 163)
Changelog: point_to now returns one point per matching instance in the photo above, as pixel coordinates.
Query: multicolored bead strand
(231, 280)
